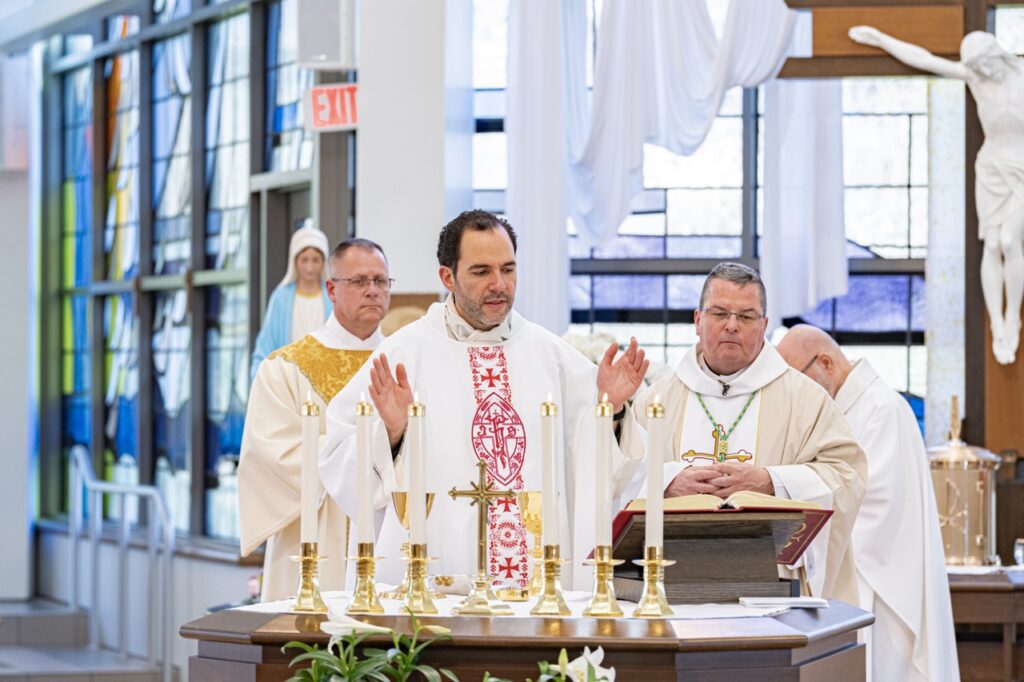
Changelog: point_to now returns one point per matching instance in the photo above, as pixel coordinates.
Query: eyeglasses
(363, 283)
(811, 362)
(720, 316)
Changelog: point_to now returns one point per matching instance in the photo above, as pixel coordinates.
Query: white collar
(333, 335)
(857, 381)
(463, 331)
(766, 368)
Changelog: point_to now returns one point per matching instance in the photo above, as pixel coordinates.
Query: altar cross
(481, 494)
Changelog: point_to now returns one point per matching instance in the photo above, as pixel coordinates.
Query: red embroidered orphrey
(499, 439)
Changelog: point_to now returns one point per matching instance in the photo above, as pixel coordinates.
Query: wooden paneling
(936, 28)
(1004, 399)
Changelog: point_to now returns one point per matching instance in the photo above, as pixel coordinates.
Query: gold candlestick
(551, 602)
(400, 500)
(604, 603)
(418, 600)
(308, 599)
(530, 511)
(364, 598)
(653, 603)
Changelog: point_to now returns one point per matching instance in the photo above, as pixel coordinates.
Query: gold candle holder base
(418, 599)
(364, 597)
(399, 593)
(604, 603)
(481, 601)
(653, 603)
(551, 603)
(307, 598)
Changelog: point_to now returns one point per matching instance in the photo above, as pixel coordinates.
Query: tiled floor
(26, 626)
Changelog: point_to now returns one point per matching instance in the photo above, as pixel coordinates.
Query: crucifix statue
(481, 601)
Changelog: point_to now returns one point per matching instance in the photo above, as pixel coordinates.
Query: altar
(804, 644)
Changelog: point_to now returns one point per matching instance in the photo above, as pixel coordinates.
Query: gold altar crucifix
(721, 450)
(481, 601)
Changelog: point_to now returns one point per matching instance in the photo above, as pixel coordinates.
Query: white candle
(310, 489)
(548, 479)
(603, 488)
(654, 536)
(417, 489)
(364, 435)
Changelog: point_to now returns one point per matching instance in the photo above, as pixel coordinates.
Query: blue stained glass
(287, 146)
(172, 172)
(121, 376)
(227, 370)
(624, 246)
(120, 239)
(227, 148)
(76, 194)
(643, 292)
(704, 246)
(579, 292)
(684, 291)
(917, 303)
(75, 371)
(171, 343)
(169, 10)
(873, 303)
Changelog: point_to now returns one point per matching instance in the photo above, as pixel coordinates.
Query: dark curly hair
(451, 234)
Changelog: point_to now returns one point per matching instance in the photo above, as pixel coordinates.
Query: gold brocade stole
(327, 369)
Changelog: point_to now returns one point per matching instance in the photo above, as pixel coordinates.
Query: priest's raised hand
(391, 395)
(619, 379)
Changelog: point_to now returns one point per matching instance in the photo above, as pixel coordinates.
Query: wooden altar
(805, 645)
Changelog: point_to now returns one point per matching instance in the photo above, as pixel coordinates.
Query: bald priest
(733, 398)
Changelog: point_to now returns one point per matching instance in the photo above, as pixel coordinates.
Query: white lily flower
(578, 667)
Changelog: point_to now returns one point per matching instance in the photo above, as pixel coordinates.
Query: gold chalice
(530, 508)
(400, 500)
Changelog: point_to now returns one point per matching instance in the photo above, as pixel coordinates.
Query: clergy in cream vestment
(315, 367)
(482, 372)
(897, 544)
(741, 419)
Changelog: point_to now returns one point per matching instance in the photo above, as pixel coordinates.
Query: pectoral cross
(721, 450)
(481, 494)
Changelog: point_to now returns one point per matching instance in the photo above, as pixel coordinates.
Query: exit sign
(331, 107)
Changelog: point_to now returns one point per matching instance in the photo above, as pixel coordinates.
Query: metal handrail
(158, 518)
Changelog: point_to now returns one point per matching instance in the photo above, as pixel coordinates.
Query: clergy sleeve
(270, 465)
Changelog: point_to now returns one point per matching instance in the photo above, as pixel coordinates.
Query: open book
(744, 499)
(814, 516)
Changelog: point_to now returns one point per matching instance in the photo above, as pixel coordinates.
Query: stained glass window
(288, 146)
(227, 388)
(76, 258)
(171, 346)
(121, 386)
(122, 26)
(227, 145)
(172, 176)
(120, 238)
(169, 10)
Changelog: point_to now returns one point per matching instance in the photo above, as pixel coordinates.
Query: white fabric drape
(542, 114)
(803, 244)
(660, 77)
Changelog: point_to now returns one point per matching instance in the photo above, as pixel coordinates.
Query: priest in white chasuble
(482, 371)
(742, 419)
(314, 368)
(897, 543)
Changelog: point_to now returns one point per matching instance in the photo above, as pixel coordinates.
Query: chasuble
(270, 468)
(483, 401)
(772, 416)
(897, 544)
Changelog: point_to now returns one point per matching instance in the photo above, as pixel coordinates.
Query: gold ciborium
(530, 508)
(400, 500)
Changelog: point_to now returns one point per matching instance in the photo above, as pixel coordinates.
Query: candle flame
(657, 399)
(362, 397)
(549, 398)
(416, 397)
(309, 396)
(604, 398)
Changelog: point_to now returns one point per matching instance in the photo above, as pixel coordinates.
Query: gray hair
(738, 274)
